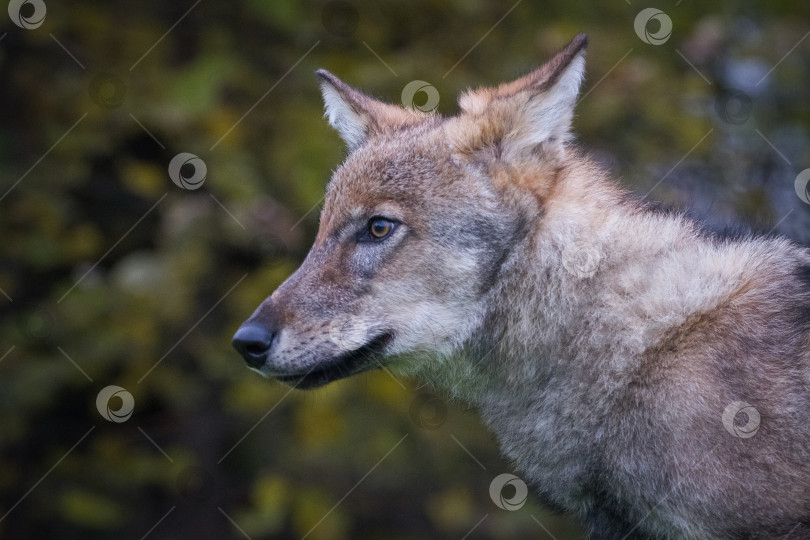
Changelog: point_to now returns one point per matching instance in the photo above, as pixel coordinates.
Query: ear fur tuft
(536, 109)
(343, 109)
(356, 116)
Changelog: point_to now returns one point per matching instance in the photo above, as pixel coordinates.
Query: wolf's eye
(379, 228)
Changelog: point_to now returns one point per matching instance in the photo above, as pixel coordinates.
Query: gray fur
(602, 342)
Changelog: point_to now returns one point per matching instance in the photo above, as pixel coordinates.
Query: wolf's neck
(570, 295)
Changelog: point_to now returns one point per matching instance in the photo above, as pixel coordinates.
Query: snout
(253, 342)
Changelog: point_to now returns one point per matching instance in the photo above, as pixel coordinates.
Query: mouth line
(339, 367)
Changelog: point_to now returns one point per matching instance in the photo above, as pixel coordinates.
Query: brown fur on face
(609, 347)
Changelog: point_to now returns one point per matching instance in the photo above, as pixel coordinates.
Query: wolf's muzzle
(253, 342)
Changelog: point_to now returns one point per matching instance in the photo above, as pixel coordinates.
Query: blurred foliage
(112, 275)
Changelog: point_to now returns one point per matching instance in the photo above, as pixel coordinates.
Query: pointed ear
(533, 111)
(357, 116)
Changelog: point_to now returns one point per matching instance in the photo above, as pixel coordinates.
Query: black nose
(253, 341)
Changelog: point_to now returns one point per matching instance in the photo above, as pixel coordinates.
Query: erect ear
(357, 116)
(533, 111)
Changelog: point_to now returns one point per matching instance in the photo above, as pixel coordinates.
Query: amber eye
(380, 228)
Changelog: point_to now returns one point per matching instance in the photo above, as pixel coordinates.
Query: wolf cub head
(418, 226)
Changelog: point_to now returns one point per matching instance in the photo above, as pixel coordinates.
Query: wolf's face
(407, 247)
(415, 228)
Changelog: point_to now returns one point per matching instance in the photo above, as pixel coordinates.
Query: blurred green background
(110, 274)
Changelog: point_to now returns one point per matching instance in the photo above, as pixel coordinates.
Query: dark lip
(339, 367)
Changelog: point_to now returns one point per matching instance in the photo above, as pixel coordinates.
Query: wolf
(641, 372)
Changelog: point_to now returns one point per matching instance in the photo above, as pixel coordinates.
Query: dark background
(110, 274)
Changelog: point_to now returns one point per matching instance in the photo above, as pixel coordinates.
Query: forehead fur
(410, 168)
(399, 156)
